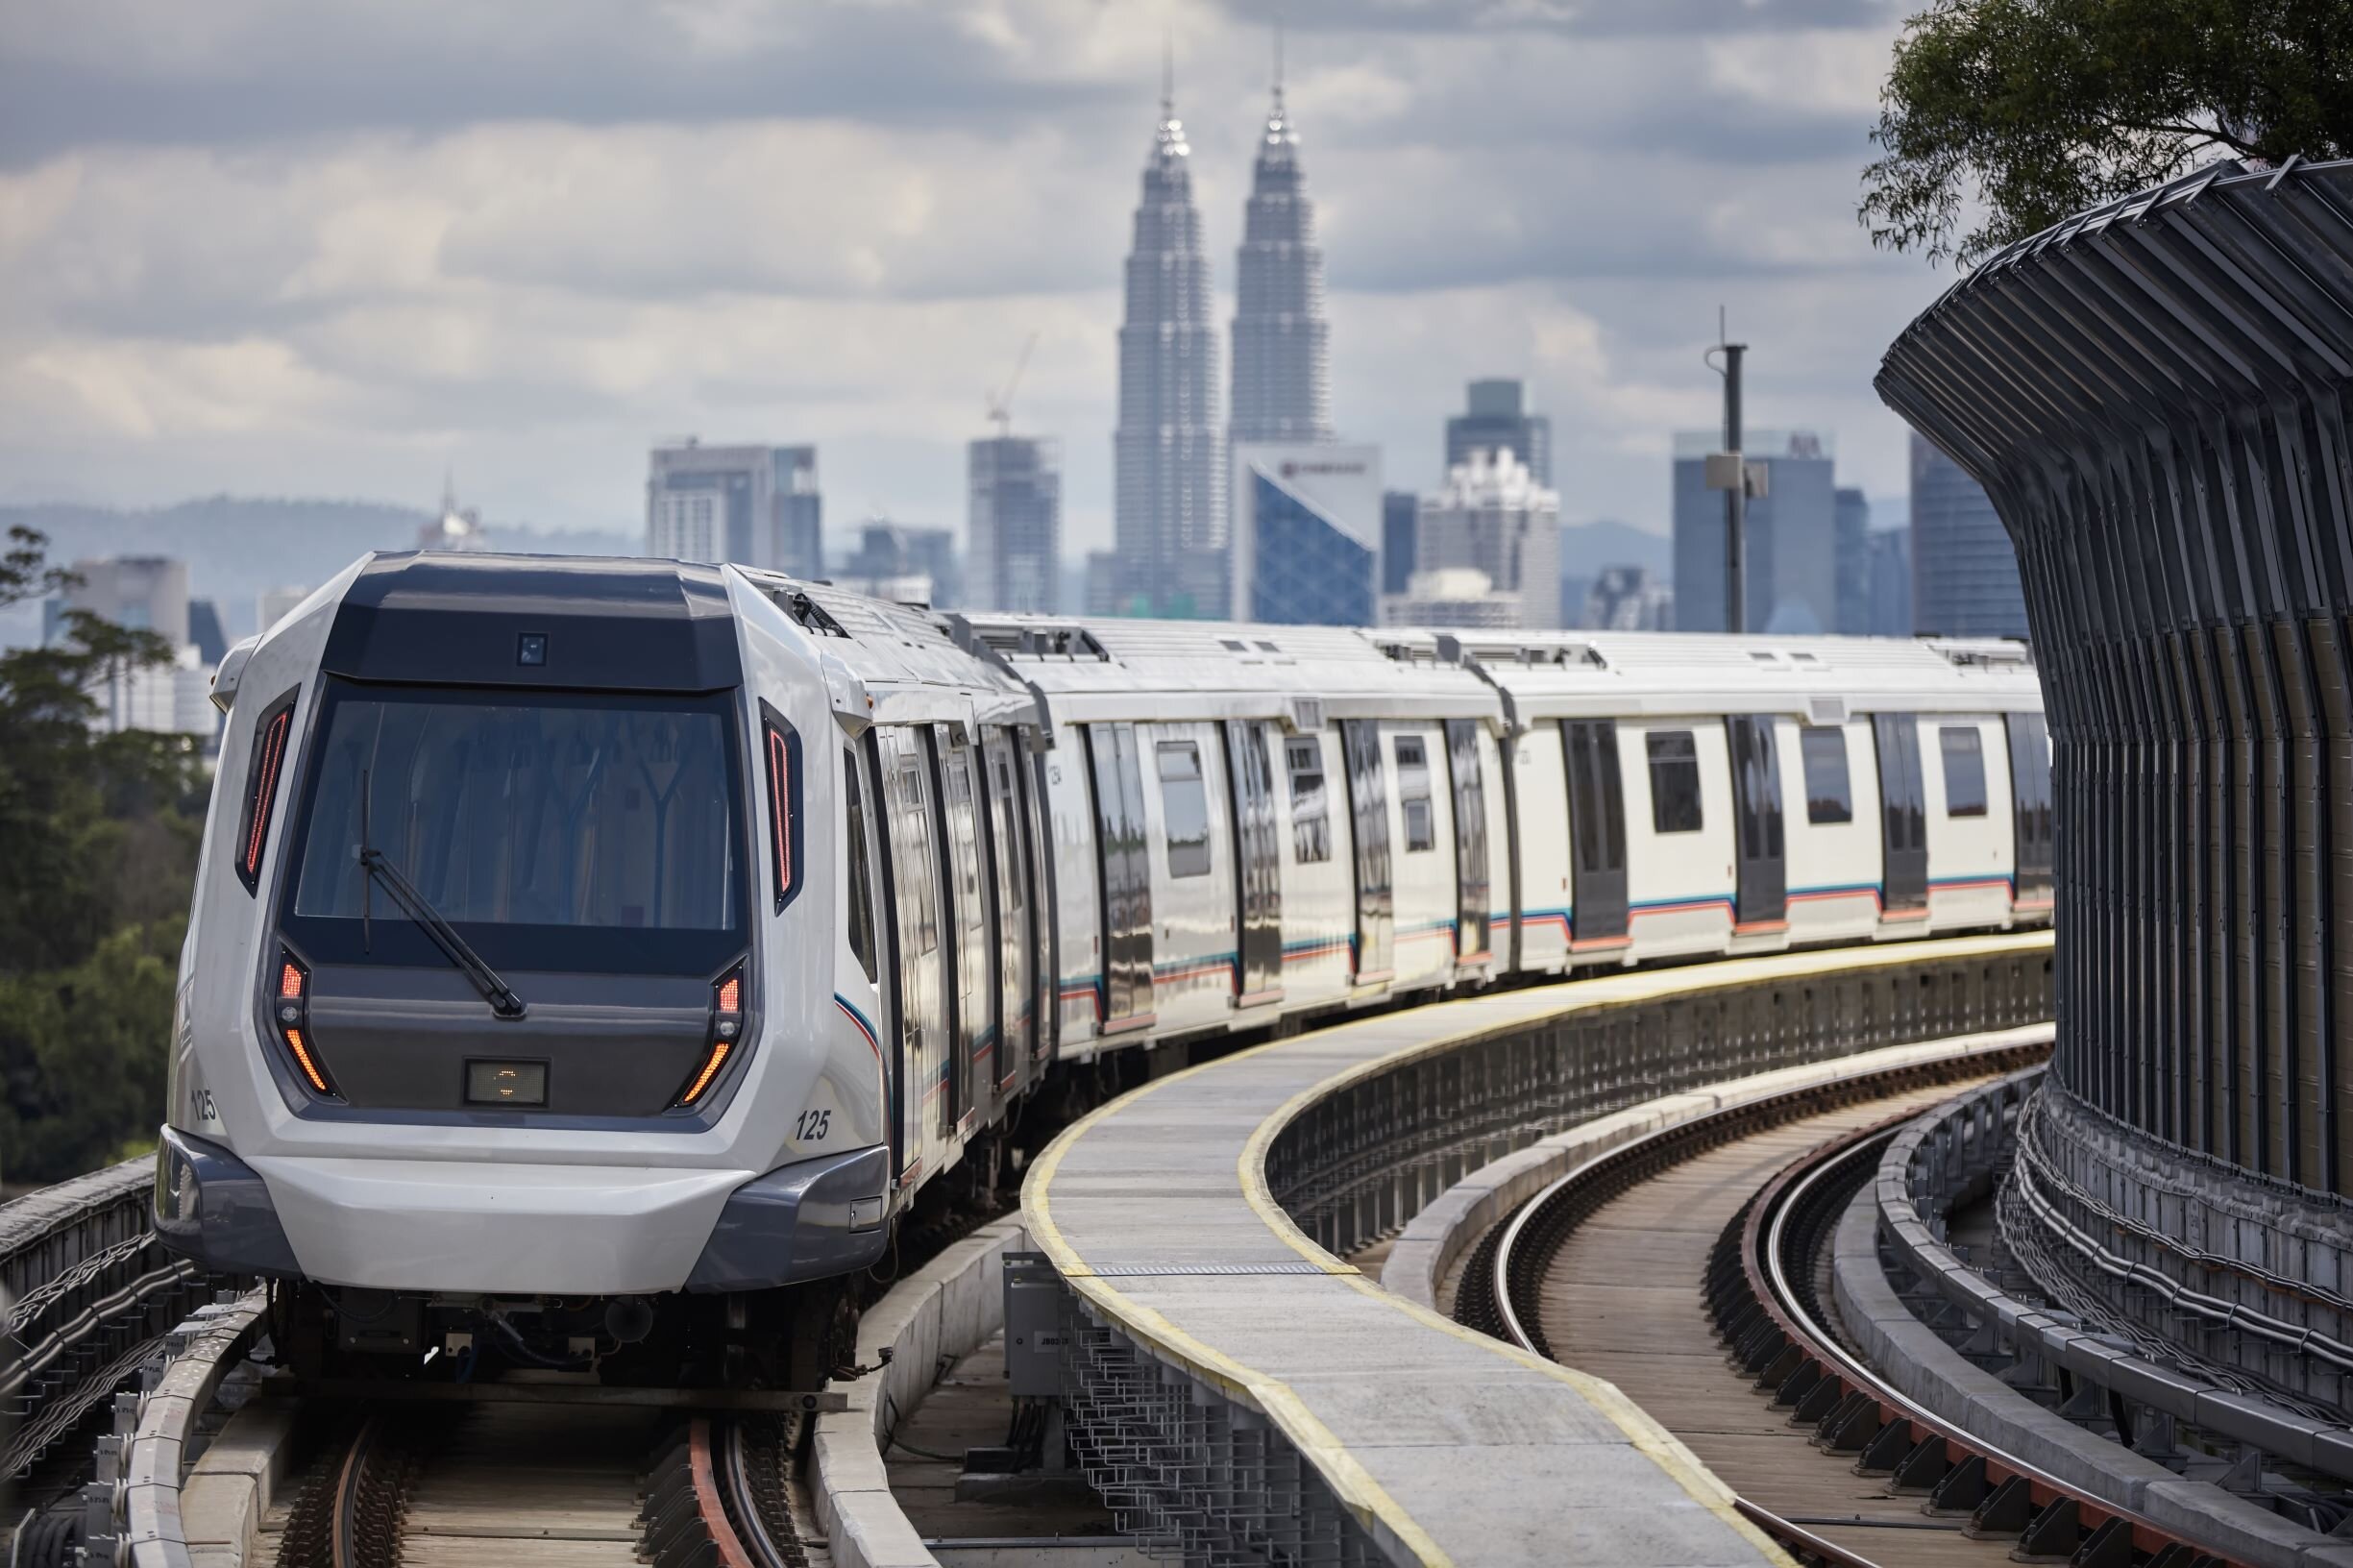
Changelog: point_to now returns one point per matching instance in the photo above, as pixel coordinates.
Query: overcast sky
(328, 247)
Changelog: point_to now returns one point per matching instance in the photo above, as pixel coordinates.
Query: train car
(593, 962)
(533, 1003)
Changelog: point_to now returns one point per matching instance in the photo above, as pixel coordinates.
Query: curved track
(1645, 1267)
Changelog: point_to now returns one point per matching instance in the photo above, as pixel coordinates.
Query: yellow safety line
(1356, 1490)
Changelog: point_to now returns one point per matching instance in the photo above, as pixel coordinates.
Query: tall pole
(1735, 499)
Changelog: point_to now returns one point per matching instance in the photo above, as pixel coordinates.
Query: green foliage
(2001, 117)
(94, 887)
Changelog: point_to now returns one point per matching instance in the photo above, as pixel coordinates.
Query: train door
(1368, 802)
(1597, 830)
(1903, 815)
(1009, 860)
(1757, 829)
(1471, 878)
(971, 990)
(2031, 812)
(1257, 863)
(1123, 868)
(919, 1013)
(1045, 935)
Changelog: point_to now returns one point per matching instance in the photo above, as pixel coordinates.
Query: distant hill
(1586, 547)
(236, 547)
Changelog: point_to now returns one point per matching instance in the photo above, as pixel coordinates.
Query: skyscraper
(1792, 535)
(1282, 380)
(1891, 583)
(1964, 567)
(754, 505)
(1015, 524)
(1307, 533)
(1852, 542)
(1169, 521)
(1491, 515)
(1498, 418)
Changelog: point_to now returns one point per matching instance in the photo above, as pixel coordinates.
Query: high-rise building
(1401, 519)
(1168, 520)
(1792, 535)
(1494, 517)
(274, 604)
(1307, 533)
(1282, 376)
(142, 593)
(1103, 575)
(754, 505)
(204, 631)
(896, 561)
(1850, 542)
(1015, 524)
(1891, 583)
(1496, 418)
(1452, 596)
(1964, 567)
(1628, 598)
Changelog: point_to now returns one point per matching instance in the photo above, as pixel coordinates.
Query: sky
(337, 248)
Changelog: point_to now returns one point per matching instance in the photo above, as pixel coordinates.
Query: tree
(2001, 117)
(94, 887)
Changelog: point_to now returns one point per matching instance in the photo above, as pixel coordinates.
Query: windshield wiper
(379, 867)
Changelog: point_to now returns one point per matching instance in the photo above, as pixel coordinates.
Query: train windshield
(569, 831)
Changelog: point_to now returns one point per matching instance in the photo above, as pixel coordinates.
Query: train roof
(1113, 668)
(1821, 679)
(902, 654)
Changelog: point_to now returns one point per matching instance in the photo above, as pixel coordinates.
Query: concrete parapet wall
(1953, 1150)
(1452, 1223)
(943, 1310)
(2261, 1247)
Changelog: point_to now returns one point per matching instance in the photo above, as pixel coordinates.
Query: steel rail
(1756, 1288)
(1755, 1297)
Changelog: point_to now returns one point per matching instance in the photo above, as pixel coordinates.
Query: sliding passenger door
(1368, 802)
(972, 989)
(921, 994)
(1007, 839)
(1471, 876)
(1763, 897)
(1597, 831)
(1257, 863)
(2030, 814)
(1903, 815)
(1123, 869)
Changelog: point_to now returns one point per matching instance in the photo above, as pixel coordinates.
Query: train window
(1185, 807)
(915, 818)
(2031, 793)
(1964, 771)
(587, 830)
(1413, 793)
(1675, 781)
(1310, 806)
(1828, 799)
(861, 877)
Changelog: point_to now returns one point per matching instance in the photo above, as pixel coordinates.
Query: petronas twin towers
(1169, 511)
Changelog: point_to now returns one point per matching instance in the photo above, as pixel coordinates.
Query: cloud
(267, 246)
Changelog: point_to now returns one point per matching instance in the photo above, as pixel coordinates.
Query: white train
(592, 961)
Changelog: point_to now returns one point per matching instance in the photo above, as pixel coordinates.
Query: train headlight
(725, 1030)
(293, 1013)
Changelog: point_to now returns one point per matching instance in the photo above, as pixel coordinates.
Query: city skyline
(377, 316)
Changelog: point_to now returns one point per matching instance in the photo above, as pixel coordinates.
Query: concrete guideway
(1444, 1445)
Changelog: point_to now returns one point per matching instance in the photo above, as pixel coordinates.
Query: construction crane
(1001, 404)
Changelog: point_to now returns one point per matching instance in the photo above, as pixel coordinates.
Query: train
(595, 963)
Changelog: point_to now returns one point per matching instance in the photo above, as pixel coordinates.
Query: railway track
(536, 1486)
(1687, 1268)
